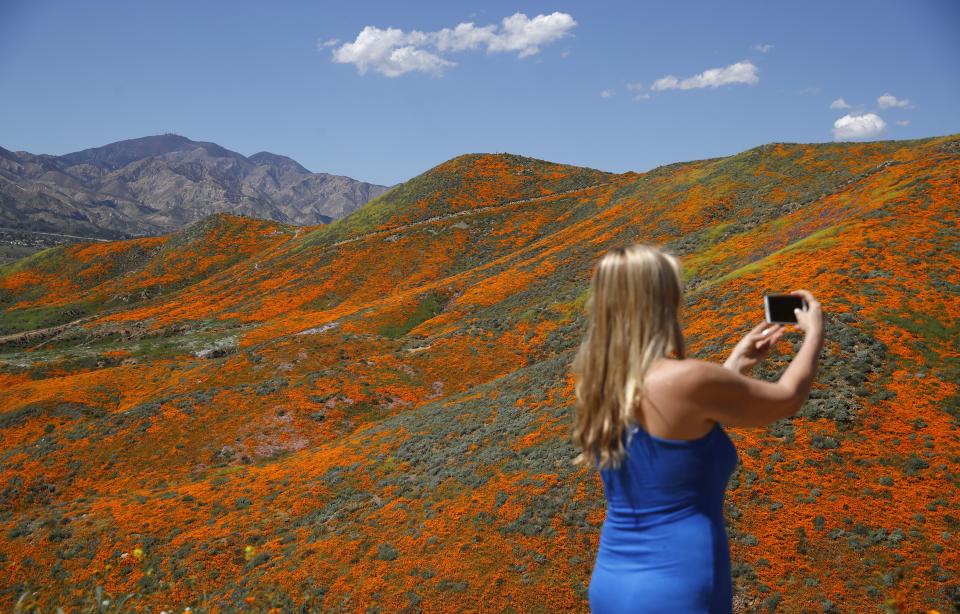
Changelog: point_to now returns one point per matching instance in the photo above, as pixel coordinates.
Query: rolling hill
(373, 415)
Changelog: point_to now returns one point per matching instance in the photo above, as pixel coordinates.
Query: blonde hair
(633, 307)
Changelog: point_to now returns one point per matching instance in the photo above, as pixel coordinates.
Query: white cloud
(464, 36)
(840, 103)
(634, 86)
(391, 52)
(889, 100)
(606, 94)
(763, 48)
(526, 35)
(642, 97)
(329, 43)
(394, 52)
(857, 127)
(741, 72)
(903, 122)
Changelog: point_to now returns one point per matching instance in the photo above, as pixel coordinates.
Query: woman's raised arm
(731, 398)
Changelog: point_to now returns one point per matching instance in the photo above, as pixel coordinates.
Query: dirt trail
(40, 334)
(52, 234)
(457, 214)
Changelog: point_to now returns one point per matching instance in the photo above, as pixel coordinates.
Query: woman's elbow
(793, 402)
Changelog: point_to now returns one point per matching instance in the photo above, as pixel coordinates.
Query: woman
(651, 424)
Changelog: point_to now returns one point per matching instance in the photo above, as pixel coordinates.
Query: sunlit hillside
(373, 415)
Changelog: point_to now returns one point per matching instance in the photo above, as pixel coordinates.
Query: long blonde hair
(633, 305)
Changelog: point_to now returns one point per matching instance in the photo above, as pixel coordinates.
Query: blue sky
(399, 88)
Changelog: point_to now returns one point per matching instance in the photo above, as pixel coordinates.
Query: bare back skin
(667, 411)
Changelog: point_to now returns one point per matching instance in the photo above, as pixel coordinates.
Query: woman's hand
(810, 320)
(754, 347)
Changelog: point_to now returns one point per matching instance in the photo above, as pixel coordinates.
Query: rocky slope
(160, 184)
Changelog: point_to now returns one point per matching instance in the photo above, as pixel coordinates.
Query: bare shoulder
(691, 383)
(707, 390)
(681, 381)
(676, 398)
(688, 373)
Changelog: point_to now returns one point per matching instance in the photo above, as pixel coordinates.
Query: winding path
(450, 216)
(53, 234)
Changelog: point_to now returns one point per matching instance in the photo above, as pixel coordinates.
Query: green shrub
(387, 552)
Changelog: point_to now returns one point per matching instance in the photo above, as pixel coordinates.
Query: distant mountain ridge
(160, 184)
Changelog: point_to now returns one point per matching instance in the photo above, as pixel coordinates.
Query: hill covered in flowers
(373, 415)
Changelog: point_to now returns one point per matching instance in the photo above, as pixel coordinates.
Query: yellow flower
(138, 553)
(248, 554)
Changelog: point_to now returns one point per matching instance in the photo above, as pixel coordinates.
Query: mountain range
(373, 415)
(160, 184)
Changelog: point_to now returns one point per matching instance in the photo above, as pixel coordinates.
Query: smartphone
(779, 307)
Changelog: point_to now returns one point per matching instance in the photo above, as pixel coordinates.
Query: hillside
(373, 415)
(160, 184)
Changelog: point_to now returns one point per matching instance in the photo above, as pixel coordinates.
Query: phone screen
(779, 307)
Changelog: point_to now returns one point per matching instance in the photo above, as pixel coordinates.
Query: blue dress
(663, 546)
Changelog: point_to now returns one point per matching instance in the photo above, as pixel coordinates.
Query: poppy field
(374, 415)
